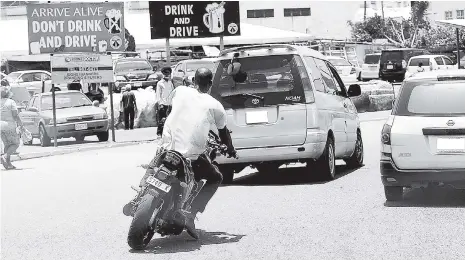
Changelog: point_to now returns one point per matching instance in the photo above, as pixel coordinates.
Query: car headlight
(59, 121)
(153, 77)
(101, 116)
(120, 78)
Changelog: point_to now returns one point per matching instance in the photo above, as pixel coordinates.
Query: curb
(75, 150)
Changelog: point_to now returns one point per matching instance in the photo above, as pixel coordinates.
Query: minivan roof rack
(254, 47)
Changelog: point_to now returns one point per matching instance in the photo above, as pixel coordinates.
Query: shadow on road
(431, 197)
(184, 243)
(288, 176)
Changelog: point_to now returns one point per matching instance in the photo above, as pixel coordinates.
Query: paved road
(69, 207)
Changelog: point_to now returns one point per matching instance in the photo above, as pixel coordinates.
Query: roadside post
(199, 19)
(77, 52)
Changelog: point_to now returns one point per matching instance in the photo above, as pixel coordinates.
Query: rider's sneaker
(190, 227)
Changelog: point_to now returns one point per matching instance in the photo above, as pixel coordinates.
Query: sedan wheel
(44, 138)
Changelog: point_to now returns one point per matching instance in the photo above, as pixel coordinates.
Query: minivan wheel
(394, 193)
(326, 164)
(356, 160)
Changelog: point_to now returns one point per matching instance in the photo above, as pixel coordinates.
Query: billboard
(76, 27)
(186, 19)
(88, 68)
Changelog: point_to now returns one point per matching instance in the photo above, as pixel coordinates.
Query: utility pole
(364, 11)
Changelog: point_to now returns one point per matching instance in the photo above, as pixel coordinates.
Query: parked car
(370, 67)
(429, 63)
(75, 116)
(343, 66)
(423, 141)
(184, 71)
(393, 63)
(286, 104)
(32, 80)
(137, 72)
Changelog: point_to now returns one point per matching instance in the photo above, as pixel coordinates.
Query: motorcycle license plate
(158, 184)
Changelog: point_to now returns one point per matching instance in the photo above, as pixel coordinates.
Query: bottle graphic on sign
(214, 18)
(112, 21)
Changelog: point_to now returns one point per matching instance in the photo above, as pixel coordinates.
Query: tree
(403, 33)
(442, 36)
(130, 42)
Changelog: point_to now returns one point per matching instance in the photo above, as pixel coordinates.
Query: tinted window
(29, 77)
(13, 76)
(192, 67)
(439, 61)
(393, 56)
(316, 75)
(372, 59)
(326, 75)
(415, 62)
(132, 65)
(432, 99)
(448, 61)
(65, 100)
(275, 78)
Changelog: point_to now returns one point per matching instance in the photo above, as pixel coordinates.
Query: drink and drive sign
(186, 19)
(76, 27)
(90, 68)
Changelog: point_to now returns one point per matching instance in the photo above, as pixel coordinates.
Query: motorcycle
(164, 200)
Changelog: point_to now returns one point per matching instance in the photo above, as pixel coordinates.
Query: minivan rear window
(372, 59)
(432, 99)
(416, 61)
(275, 78)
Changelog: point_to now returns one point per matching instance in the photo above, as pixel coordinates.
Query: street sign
(186, 19)
(76, 27)
(88, 68)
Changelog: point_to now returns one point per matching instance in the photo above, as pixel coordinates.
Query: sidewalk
(69, 145)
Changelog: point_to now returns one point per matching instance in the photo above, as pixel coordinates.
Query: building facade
(446, 10)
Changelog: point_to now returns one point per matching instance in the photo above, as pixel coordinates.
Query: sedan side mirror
(354, 90)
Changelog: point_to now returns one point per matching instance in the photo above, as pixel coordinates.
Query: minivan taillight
(404, 64)
(386, 134)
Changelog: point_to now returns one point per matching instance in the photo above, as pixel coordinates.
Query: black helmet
(203, 77)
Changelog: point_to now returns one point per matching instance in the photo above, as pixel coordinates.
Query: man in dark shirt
(129, 107)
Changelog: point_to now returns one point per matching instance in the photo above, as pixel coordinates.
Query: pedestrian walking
(8, 125)
(129, 106)
(163, 91)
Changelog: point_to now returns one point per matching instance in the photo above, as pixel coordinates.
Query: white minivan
(286, 104)
(370, 67)
(428, 63)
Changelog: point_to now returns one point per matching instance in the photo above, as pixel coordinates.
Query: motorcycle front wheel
(140, 232)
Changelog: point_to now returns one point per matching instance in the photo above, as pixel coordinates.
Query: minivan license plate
(390, 67)
(158, 184)
(450, 145)
(80, 126)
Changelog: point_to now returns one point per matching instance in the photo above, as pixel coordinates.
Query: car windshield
(13, 76)
(432, 99)
(192, 67)
(132, 65)
(372, 59)
(65, 100)
(274, 78)
(415, 62)
(339, 62)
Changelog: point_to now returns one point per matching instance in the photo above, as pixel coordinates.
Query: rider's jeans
(204, 169)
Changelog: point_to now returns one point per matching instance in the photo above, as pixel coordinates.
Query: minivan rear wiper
(247, 95)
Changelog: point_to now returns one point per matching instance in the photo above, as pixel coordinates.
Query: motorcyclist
(194, 113)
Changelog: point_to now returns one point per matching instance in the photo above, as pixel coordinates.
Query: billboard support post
(54, 110)
(112, 112)
(221, 42)
(168, 52)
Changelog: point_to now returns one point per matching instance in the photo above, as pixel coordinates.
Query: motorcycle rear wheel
(140, 233)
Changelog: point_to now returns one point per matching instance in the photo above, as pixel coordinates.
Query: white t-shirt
(164, 89)
(192, 116)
